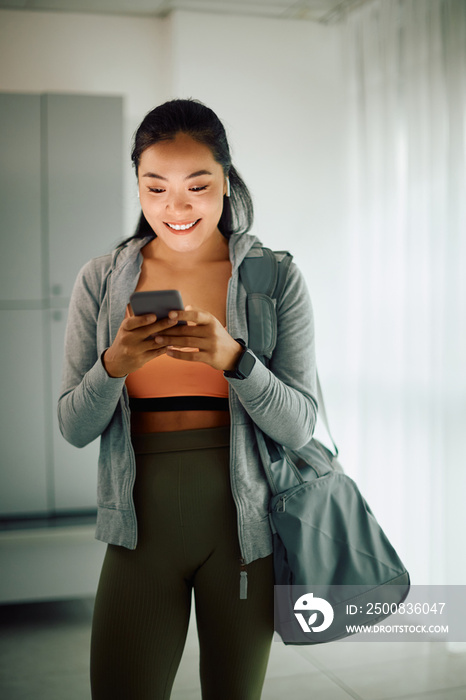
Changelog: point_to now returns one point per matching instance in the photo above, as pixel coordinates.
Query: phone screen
(158, 302)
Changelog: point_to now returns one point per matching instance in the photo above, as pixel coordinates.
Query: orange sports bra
(167, 384)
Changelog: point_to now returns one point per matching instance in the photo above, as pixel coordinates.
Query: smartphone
(158, 302)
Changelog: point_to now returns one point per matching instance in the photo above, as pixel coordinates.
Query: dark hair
(202, 124)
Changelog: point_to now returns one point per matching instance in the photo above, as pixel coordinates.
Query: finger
(139, 321)
(197, 316)
(153, 353)
(180, 342)
(184, 332)
(163, 324)
(189, 356)
(150, 324)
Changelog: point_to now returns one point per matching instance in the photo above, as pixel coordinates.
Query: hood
(240, 245)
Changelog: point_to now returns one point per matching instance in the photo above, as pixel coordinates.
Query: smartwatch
(245, 363)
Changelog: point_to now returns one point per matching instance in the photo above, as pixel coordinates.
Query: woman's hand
(134, 344)
(206, 338)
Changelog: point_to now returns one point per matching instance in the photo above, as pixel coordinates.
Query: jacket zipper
(243, 580)
(125, 411)
(243, 574)
(127, 414)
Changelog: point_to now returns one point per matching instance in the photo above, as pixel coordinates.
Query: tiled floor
(44, 650)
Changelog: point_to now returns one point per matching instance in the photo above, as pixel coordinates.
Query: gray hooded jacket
(280, 399)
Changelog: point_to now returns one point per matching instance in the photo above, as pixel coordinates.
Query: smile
(181, 227)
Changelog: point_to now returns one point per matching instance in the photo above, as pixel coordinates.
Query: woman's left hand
(206, 338)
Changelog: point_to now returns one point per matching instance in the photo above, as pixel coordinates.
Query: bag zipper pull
(281, 505)
(243, 581)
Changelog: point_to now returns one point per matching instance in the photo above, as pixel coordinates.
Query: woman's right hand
(132, 347)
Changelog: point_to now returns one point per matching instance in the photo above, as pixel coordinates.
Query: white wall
(78, 53)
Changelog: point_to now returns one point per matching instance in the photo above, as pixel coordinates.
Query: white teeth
(182, 227)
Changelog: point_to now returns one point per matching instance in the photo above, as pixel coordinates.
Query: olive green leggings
(187, 539)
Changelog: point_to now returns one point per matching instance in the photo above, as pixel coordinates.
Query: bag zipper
(280, 507)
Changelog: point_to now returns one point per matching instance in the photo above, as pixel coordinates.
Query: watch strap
(235, 373)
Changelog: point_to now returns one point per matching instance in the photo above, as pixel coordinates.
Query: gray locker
(20, 198)
(25, 470)
(61, 204)
(83, 141)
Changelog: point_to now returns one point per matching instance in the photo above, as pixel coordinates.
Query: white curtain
(405, 342)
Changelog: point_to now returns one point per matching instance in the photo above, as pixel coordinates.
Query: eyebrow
(188, 177)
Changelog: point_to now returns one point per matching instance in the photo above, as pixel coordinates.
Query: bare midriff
(168, 421)
(204, 287)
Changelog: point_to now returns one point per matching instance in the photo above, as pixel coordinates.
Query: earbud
(228, 187)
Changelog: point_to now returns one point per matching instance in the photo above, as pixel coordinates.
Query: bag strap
(263, 274)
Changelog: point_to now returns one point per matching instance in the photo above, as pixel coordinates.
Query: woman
(182, 497)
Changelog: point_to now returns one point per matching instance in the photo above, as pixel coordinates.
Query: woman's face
(181, 189)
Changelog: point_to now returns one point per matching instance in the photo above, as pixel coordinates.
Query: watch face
(246, 364)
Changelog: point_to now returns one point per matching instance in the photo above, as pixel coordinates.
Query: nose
(178, 203)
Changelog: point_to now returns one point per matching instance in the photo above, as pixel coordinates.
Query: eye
(198, 189)
(157, 190)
